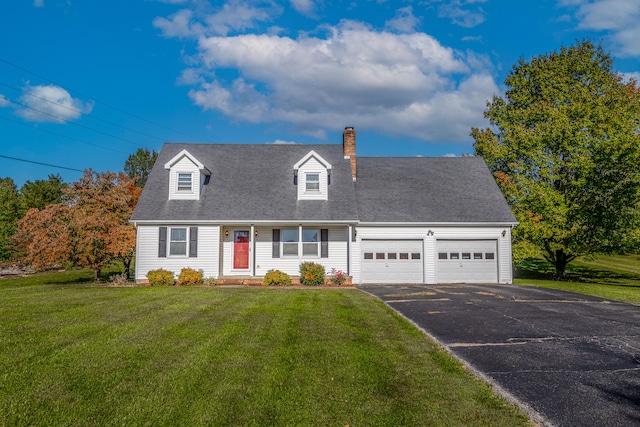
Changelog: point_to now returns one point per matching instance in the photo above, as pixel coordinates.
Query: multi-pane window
(178, 241)
(313, 182)
(290, 242)
(184, 182)
(310, 242)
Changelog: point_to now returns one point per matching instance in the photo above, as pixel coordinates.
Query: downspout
(253, 251)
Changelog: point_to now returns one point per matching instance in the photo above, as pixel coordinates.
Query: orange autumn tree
(89, 228)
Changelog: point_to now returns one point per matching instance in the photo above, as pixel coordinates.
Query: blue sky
(83, 84)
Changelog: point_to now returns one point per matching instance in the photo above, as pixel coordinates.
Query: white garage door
(392, 261)
(467, 261)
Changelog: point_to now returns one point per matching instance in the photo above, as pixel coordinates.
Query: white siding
(312, 165)
(147, 252)
(185, 165)
(430, 255)
(262, 256)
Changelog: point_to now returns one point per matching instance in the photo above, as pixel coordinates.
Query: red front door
(240, 249)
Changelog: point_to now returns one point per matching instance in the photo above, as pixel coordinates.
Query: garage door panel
(392, 261)
(466, 261)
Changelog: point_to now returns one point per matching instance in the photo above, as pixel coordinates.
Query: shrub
(161, 277)
(190, 277)
(311, 274)
(338, 277)
(209, 281)
(276, 278)
(120, 279)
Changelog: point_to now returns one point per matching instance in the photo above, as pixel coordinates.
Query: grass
(612, 277)
(74, 353)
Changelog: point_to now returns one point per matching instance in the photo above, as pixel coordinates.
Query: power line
(61, 135)
(80, 112)
(75, 124)
(95, 100)
(40, 163)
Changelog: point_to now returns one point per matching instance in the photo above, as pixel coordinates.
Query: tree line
(48, 223)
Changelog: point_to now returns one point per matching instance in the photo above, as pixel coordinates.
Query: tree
(9, 215)
(89, 228)
(41, 192)
(138, 165)
(564, 149)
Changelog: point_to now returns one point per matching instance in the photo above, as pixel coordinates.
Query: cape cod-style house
(234, 210)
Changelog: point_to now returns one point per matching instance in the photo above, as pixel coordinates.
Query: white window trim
(300, 243)
(184, 191)
(316, 182)
(283, 243)
(170, 240)
(317, 242)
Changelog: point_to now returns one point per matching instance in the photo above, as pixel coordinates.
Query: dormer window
(312, 182)
(311, 176)
(184, 182)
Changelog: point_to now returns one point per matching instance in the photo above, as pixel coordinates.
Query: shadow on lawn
(537, 269)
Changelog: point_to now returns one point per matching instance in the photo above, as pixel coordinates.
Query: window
(290, 242)
(178, 241)
(442, 255)
(454, 255)
(489, 255)
(368, 255)
(392, 255)
(415, 255)
(466, 255)
(310, 239)
(404, 255)
(184, 182)
(477, 255)
(313, 182)
(379, 255)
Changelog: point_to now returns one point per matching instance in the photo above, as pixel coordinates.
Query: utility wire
(97, 101)
(40, 163)
(80, 112)
(75, 124)
(63, 136)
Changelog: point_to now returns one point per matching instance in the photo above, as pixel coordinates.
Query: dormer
(312, 175)
(187, 175)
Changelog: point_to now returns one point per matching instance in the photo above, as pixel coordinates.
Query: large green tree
(9, 215)
(139, 164)
(41, 192)
(564, 148)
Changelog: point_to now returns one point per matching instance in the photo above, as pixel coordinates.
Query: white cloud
(282, 142)
(450, 155)
(402, 84)
(464, 13)
(233, 16)
(404, 21)
(618, 18)
(632, 75)
(304, 7)
(4, 102)
(50, 103)
(38, 3)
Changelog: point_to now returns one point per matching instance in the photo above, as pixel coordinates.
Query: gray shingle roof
(255, 183)
(428, 189)
(249, 183)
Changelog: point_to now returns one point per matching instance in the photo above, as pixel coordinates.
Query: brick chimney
(349, 147)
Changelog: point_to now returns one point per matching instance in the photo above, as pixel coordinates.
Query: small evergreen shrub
(161, 277)
(276, 278)
(311, 274)
(189, 277)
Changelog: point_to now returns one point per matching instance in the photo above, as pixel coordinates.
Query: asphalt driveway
(572, 359)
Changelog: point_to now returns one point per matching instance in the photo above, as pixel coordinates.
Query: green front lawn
(80, 354)
(613, 277)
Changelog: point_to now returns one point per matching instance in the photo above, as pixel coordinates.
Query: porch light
(256, 233)
(226, 233)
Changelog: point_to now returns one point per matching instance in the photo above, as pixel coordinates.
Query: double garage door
(402, 261)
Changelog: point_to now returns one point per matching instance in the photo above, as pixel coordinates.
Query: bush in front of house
(161, 277)
(189, 277)
(338, 277)
(276, 278)
(311, 274)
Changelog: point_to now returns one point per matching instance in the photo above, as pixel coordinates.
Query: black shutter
(324, 243)
(162, 243)
(193, 242)
(275, 251)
